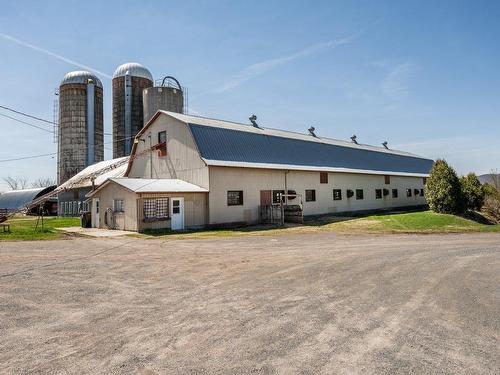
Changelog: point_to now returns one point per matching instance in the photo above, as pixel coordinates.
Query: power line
(27, 123)
(28, 115)
(28, 157)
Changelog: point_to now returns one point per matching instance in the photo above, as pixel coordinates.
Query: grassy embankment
(23, 228)
(411, 222)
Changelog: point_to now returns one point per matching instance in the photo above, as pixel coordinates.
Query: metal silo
(80, 137)
(128, 82)
(168, 96)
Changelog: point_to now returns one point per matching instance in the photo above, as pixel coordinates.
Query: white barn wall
(252, 181)
(182, 161)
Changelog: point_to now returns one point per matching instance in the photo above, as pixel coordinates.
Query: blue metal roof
(221, 144)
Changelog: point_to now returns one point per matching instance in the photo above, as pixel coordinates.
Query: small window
(118, 205)
(277, 194)
(408, 192)
(378, 193)
(349, 193)
(424, 180)
(394, 193)
(422, 193)
(310, 195)
(385, 192)
(416, 192)
(359, 193)
(323, 177)
(162, 143)
(387, 179)
(162, 208)
(235, 198)
(176, 206)
(337, 194)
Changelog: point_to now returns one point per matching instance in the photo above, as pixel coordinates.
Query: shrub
(472, 192)
(492, 202)
(443, 190)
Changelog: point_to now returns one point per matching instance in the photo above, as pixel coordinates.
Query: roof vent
(385, 144)
(253, 120)
(353, 139)
(311, 131)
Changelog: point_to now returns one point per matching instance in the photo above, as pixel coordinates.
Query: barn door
(265, 197)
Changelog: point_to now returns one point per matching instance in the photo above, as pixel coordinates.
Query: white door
(95, 213)
(177, 214)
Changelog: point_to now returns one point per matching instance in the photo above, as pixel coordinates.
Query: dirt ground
(310, 304)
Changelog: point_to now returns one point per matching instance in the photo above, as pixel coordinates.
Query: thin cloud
(259, 68)
(57, 56)
(396, 82)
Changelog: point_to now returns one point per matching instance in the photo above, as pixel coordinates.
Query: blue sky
(425, 76)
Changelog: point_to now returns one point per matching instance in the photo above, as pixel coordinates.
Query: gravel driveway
(314, 304)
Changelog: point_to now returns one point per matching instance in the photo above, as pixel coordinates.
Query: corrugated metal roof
(247, 128)
(14, 199)
(83, 178)
(158, 185)
(221, 144)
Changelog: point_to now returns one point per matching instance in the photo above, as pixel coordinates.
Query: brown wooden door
(265, 197)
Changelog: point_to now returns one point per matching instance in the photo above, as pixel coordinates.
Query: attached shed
(139, 204)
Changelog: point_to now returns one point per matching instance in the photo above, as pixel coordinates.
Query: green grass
(413, 222)
(23, 228)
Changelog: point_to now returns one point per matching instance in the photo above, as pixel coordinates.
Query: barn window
(155, 208)
(162, 143)
(394, 193)
(422, 192)
(235, 198)
(387, 179)
(359, 193)
(310, 195)
(378, 193)
(118, 205)
(424, 180)
(337, 194)
(349, 193)
(277, 194)
(323, 177)
(408, 192)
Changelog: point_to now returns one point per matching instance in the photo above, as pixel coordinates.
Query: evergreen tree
(472, 191)
(442, 190)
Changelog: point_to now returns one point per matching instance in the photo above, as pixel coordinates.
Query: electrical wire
(28, 115)
(28, 157)
(27, 123)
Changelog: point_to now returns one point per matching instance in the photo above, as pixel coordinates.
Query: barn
(189, 172)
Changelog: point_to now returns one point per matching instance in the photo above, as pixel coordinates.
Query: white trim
(221, 163)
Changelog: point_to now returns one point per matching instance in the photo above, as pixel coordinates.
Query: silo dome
(134, 70)
(80, 76)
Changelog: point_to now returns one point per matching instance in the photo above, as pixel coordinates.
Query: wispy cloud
(395, 83)
(262, 67)
(50, 53)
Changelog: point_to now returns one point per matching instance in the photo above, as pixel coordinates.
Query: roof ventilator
(353, 139)
(385, 144)
(311, 131)
(253, 120)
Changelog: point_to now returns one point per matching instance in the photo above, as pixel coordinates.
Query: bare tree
(16, 183)
(43, 182)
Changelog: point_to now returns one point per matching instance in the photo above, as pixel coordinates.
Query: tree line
(19, 183)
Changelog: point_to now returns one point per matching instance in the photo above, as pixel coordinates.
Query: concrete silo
(128, 82)
(169, 96)
(80, 137)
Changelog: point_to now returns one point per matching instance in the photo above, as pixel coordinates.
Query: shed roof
(154, 185)
(14, 199)
(227, 143)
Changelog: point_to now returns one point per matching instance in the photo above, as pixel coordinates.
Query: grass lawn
(411, 222)
(23, 228)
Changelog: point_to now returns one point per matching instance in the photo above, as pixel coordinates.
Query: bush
(472, 192)
(491, 205)
(442, 190)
